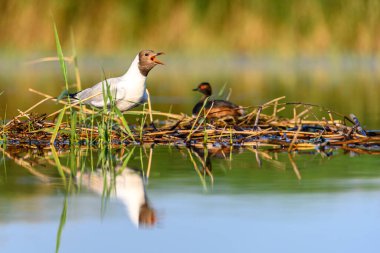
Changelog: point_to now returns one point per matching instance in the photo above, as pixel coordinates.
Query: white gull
(127, 91)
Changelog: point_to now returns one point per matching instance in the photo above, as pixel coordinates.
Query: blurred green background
(323, 52)
(247, 27)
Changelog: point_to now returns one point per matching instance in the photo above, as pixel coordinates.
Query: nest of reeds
(309, 127)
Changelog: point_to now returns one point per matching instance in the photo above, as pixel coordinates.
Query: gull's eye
(146, 54)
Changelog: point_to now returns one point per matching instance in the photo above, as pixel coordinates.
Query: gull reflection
(128, 186)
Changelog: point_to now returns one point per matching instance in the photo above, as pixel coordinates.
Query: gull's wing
(116, 90)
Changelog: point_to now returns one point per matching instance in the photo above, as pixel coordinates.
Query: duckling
(215, 108)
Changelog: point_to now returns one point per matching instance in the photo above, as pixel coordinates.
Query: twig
(149, 162)
(295, 167)
(295, 137)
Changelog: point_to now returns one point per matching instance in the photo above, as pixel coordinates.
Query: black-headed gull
(127, 91)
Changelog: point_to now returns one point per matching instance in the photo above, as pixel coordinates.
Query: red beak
(156, 60)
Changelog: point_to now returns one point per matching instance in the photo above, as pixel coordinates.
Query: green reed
(62, 222)
(57, 126)
(61, 58)
(124, 124)
(58, 164)
(126, 159)
(73, 115)
(73, 156)
(142, 161)
(192, 130)
(75, 61)
(73, 127)
(143, 119)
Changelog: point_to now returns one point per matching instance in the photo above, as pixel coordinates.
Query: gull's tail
(66, 94)
(73, 95)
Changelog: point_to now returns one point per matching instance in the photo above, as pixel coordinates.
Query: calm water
(179, 200)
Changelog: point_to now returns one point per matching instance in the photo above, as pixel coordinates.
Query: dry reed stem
(149, 162)
(26, 165)
(28, 110)
(265, 105)
(64, 168)
(295, 137)
(331, 116)
(169, 115)
(197, 170)
(304, 112)
(295, 167)
(149, 107)
(196, 120)
(75, 105)
(205, 167)
(257, 117)
(275, 109)
(48, 59)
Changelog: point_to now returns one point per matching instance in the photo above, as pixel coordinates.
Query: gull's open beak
(156, 60)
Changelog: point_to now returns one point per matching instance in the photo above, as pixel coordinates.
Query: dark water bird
(216, 108)
(127, 91)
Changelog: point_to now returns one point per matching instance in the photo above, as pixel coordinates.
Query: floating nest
(308, 127)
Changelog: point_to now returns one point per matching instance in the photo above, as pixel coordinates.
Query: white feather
(128, 188)
(128, 90)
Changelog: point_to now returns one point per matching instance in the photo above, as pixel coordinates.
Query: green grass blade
(60, 56)
(221, 91)
(196, 120)
(62, 223)
(126, 160)
(57, 125)
(73, 128)
(124, 122)
(75, 59)
(143, 117)
(142, 161)
(58, 164)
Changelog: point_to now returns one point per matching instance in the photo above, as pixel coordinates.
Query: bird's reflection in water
(128, 186)
(206, 154)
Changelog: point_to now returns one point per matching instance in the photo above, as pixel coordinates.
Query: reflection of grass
(58, 164)
(106, 166)
(62, 223)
